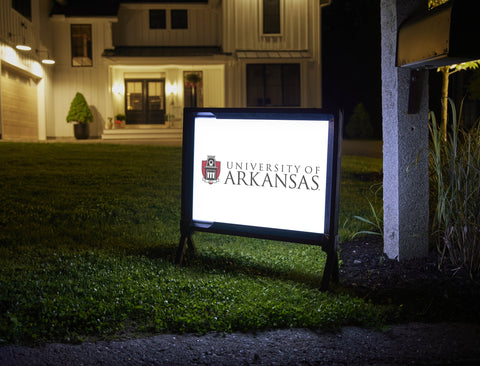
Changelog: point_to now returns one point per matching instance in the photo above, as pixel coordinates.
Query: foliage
(193, 79)
(359, 125)
(120, 117)
(434, 3)
(446, 72)
(80, 263)
(374, 221)
(360, 195)
(455, 165)
(79, 110)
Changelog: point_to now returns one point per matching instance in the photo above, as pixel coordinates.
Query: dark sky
(351, 57)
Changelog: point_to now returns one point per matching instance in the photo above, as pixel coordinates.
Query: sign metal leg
(331, 271)
(185, 242)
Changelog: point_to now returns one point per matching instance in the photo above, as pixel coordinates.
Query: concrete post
(405, 137)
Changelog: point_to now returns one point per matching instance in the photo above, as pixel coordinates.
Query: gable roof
(163, 51)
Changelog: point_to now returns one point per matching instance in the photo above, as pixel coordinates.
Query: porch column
(405, 137)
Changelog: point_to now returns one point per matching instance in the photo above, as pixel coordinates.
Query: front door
(145, 101)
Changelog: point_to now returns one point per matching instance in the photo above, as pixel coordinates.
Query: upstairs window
(271, 17)
(179, 19)
(24, 7)
(81, 45)
(158, 19)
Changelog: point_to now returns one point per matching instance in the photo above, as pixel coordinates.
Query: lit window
(81, 44)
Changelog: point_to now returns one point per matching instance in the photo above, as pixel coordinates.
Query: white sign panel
(260, 172)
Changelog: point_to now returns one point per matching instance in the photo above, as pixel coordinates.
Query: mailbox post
(412, 41)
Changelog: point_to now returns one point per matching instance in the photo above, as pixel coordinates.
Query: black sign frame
(328, 240)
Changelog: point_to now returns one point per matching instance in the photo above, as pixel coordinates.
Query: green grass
(88, 234)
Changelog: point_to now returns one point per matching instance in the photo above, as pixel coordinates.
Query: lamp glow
(118, 89)
(23, 47)
(172, 89)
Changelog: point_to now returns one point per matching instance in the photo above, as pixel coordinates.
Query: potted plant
(81, 115)
(120, 120)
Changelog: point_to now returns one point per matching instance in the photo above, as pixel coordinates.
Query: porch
(144, 133)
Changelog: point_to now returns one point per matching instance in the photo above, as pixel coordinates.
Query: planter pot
(81, 131)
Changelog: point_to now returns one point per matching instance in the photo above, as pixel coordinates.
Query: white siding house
(25, 83)
(148, 60)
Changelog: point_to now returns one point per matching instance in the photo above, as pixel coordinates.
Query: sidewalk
(401, 344)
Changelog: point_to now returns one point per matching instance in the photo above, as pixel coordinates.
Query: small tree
(446, 72)
(79, 110)
(359, 125)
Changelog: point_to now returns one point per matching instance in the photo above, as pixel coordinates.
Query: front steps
(144, 133)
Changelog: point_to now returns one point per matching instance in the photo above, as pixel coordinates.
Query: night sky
(351, 58)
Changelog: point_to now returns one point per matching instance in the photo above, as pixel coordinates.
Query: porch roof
(163, 51)
(274, 54)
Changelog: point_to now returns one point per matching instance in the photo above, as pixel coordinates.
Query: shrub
(359, 125)
(79, 110)
(455, 178)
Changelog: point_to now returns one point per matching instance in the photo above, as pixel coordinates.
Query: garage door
(19, 118)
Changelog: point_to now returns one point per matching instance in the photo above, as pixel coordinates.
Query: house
(147, 60)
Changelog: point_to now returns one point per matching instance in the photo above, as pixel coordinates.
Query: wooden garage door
(18, 105)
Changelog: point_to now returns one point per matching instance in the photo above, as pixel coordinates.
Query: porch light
(172, 89)
(118, 89)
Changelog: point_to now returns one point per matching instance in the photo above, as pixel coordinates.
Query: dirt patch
(424, 292)
(439, 310)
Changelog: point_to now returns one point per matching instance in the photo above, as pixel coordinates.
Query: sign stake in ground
(262, 173)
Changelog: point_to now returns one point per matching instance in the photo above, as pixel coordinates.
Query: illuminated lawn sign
(263, 173)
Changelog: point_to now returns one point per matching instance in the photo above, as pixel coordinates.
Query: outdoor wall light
(172, 89)
(118, 89)
(23, 47)
(19, 41)
(47, 60)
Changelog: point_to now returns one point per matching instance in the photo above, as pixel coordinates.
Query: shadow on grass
(225, 263)
(216, 263)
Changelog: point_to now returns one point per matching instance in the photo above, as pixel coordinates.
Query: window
(192, 89)
(271, 17)
(24, 7)
(158, 19)
(179, 19)
(273, 85)
(81, 45)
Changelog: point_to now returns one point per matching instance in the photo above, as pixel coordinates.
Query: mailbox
(446, 35)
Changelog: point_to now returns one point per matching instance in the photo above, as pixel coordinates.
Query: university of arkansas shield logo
(210, 170)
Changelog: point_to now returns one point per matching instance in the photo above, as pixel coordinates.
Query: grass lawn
(88, 234)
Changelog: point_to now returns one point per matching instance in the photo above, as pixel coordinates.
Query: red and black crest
(210, 170)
